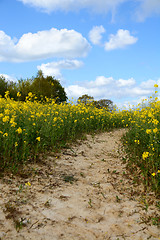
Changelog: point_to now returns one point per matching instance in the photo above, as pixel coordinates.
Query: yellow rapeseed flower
(156, 85)
(148, 131)
(155, 130)
(5, 135)
(5, 119)
(38, 139)
(13, 124)
(12, 120)
(155, 121)
(18, 94)
(28, 184)
(150, 115)
(6, 94)
(153, 174)
(55, 119)
(30, 94)
(145, 155)
(19, 130)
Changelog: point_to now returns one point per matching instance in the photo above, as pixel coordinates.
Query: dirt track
(83, 193)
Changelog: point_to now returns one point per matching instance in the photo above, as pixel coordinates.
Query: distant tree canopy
(40, 86)
(7, 86)
(24, 87)
(102, 103)
(85, 99)
(3, 86)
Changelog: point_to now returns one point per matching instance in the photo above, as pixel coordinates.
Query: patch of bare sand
(83, 193)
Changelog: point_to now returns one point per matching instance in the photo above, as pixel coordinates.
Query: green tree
(3, 86)
(104, 103)
(12, 88)
(48, 87)
(40, 86)
(24, 87)
(85, 99)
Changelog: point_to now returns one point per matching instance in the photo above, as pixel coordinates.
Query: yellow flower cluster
(145, 155)
(18, 94)
(148, 131)
(38, 139)
(137, 141)
(19, 130)
(154, 174)
(28, 184)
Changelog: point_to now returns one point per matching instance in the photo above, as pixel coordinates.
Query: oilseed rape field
(32, 127)
(142, 142)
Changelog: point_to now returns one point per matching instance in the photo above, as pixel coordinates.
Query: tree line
(102, 103)
(41, 87)
(46, 87)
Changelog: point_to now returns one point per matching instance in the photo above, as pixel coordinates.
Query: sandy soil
(82, 193)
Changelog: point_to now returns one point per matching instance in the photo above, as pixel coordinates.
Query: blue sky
(108, 49)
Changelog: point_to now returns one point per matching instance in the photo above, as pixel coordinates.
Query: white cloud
(148, 8)
(72, 5)
(100, 82)
(145, 8)
(6, 46)
(120, 40)
(42, 45)
(126, 83)
(119, 90)
(136, 92)
(95, 35)
(148, 84)
(54, 68)
(75, 91)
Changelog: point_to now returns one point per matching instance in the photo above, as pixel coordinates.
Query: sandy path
(83, 193)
